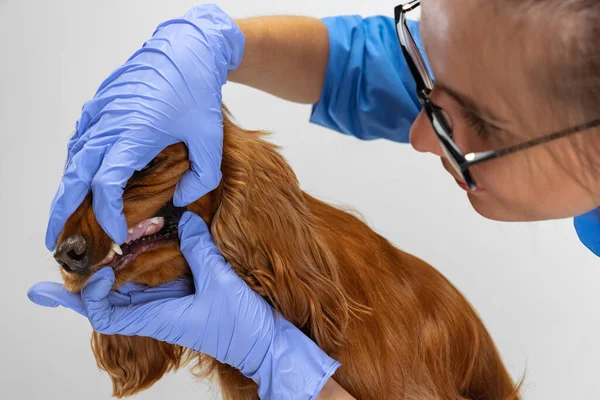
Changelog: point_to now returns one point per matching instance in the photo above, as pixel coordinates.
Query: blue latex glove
(169, 91)
(588, 230)
(224, 318)
(52, 294)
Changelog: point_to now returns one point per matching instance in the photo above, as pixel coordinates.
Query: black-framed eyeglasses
(460, 162)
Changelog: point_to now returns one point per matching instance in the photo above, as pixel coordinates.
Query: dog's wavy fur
(399, 328)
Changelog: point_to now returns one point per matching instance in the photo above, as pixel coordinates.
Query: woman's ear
(135, 363)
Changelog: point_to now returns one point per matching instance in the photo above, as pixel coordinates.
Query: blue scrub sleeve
(587, 227)
(369, 91)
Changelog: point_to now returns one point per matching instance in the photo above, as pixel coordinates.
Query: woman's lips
(459, 181)
(464, 186)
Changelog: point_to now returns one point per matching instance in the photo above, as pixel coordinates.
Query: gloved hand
(169, 91)
(224, 318)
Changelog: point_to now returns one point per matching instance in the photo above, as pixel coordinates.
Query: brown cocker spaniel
(399, 328)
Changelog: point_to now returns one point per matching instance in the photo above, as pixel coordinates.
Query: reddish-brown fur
(399, 328)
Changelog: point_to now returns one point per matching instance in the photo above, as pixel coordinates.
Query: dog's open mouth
(147, 235)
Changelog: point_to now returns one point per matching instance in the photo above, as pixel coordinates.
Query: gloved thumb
(193, 185)
(197, 246)
(52, 294)
(206, 155)
(95, 298)
(195, 237)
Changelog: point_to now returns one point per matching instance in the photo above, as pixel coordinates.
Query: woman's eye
(475, 122)
(148, 167)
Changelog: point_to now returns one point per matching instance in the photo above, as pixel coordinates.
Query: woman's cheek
(502, 197)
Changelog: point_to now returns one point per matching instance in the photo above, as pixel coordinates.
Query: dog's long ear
(265, 229)
(135, 363)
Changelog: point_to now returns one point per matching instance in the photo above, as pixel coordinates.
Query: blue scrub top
(369, 92)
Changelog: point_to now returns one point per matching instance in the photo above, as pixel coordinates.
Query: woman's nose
(423, 138)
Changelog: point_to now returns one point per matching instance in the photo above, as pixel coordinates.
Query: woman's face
(482, 61)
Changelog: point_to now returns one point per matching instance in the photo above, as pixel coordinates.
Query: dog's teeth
(109, 257)
(130, 230)
(117, 249)
(155, 220)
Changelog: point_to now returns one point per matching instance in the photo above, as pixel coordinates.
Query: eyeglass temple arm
(476, 158)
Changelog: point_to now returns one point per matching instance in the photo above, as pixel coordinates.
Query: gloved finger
(131, 287)
(52, 294)
(150, 318)
(73, 187)
(198, 248)
(95, 298)
(81, 135)
(205, 162)
(109, 115)
(128, 154)
(93, 110)
(137, 294)
(72, 141)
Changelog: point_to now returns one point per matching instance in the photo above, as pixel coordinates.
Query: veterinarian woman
(513, 114)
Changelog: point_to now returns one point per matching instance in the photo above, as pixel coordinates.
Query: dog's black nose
(72, 255)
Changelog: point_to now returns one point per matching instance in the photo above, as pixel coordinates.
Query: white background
(535, 286)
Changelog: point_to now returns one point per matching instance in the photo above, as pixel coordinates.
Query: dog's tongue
(145, 228)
